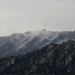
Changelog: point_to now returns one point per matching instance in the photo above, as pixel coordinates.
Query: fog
(33, 15)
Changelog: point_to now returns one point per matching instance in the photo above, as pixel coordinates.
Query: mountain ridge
(26, 42)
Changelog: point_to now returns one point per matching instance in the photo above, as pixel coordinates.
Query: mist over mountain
(21, 43)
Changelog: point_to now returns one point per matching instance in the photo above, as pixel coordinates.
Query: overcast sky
(28, 15)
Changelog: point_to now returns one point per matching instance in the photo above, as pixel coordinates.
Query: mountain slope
(53, 59)
(22, 43)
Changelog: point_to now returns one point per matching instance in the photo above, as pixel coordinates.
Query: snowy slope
(22, 43)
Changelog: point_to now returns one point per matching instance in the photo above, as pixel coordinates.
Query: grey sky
(28, 15)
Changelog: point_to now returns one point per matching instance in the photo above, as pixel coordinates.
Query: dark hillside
(53, 59)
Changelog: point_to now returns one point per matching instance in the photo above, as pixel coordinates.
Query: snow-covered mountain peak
(21, 43)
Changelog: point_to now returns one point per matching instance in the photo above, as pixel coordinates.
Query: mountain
(53, 59)
(22, 43)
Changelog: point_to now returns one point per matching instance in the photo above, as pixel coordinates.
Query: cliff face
(53, 59)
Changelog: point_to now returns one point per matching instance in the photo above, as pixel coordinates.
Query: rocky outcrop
(53, 59)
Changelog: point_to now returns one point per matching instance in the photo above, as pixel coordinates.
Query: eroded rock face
(53, 59)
